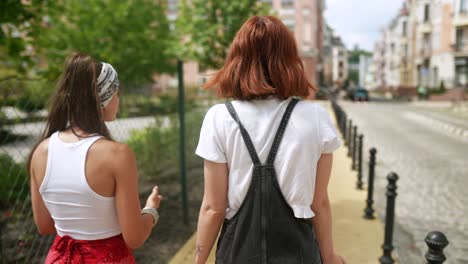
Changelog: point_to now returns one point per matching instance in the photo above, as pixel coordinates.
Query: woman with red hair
(268, 156)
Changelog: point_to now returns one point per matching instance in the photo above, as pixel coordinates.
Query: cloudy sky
(360, 21)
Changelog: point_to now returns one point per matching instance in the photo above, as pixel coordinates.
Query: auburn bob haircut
(262, 61)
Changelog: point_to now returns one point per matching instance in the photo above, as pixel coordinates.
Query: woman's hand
(335, 259)
(154, 199)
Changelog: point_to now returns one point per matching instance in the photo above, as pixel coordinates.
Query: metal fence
(22, 122)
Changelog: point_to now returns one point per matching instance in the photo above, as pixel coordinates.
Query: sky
(360, 21)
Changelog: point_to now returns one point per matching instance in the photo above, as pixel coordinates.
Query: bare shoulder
(39, 161)
(41, 151)
(114, 154)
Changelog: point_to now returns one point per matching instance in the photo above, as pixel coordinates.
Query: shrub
(141, 105)
(35, 96)
(13, 181)
(157, 147)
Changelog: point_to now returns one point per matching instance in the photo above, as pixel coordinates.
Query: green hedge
(13, 182)
(157, 147)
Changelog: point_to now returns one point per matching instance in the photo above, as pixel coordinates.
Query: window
(427, 41)
(426, 13)
(287, 3)
(459, 39)
(405, 24)
(435, 77)
(463, 6)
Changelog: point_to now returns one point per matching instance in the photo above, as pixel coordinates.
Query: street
(431, 161)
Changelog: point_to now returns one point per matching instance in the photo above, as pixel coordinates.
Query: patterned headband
(107, 83)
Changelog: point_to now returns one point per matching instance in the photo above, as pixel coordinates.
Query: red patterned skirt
(66, 250)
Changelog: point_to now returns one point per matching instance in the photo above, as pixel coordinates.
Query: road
(432, 161)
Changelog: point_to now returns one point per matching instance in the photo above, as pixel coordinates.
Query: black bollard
(345, 122)
(369, 211)
(342, 125)
(359, 180)
(436, 241)
(350, 134)
(389, 219)
(353, 153)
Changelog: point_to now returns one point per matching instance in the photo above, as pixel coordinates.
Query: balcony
(287, 12)
(425, 27)
(461, 48)
(461, 18)
(425, 51)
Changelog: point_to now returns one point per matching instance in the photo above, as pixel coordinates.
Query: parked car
(357, 94)
(360, 94)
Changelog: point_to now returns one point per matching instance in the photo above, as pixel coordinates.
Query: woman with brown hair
(84, 185)
(268, 157)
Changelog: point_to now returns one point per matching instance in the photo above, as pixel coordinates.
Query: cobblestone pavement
(432, 164)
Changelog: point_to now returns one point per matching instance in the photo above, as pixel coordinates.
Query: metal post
(348, 131)
(389, 219)
(369, 211)
(340, 124)
(350, 137)
(359, 180)
(343, 125)
(183, 179)
(2, 223)
(436, 241)
(345, 122)
(353, 151)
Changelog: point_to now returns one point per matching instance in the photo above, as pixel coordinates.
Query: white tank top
(77, 210)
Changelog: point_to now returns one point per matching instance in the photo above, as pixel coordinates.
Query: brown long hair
(263, 60)
(76, 101)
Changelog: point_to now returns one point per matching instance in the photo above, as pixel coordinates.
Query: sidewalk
(358, 240)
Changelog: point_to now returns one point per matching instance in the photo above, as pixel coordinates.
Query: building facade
(305, 19)
(460, 41)
(426, 44)
(340, 65)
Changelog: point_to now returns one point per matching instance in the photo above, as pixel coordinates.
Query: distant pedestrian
(84, 184)
(422, 92)
(268, 157)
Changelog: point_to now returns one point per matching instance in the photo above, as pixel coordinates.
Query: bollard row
(436, 241)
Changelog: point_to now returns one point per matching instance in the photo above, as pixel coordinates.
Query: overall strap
(245, 135)
(280, 131)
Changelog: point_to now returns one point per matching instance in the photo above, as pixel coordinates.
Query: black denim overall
(264, 229)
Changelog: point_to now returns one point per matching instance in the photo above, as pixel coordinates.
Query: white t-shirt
(310, 132)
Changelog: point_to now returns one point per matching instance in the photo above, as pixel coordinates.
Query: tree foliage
(17, 27)
(205, 28)
(132, 35)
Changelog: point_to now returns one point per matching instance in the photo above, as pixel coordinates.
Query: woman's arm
(44, 222)
(322, 220)
(136, 227)
(213, 208)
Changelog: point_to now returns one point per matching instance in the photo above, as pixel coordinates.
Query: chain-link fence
(150, 126)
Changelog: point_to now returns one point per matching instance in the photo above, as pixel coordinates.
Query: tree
(205, 28)
(18, 23)
(133, 36)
